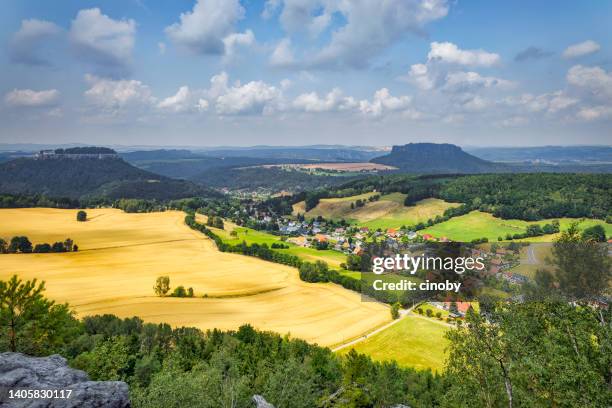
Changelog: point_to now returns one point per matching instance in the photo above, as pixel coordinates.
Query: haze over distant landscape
(293, 73)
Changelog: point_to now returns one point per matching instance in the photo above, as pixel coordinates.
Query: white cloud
(448, 52)
(420, 76)
(560, 101)
(596, 82)
(550, 103)
(203, 30)
(581, 49)
(235, 40)
(462, 81)
(32, 99)
(101, 40)
(333, 101)
(384, 102)
(26, 45)
(254, 97)
(312, 16)
(114, 96)
(184, 100)
(282, 56)
(371, 26)
(595, 112)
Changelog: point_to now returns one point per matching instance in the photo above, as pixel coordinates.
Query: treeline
(129, 205)
(36, 200)
(86, 150)
(22, 244)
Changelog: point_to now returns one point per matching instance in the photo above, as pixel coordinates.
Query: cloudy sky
(296, 72)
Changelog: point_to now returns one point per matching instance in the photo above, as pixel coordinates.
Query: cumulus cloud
(592, 80)
(551, 102)
(333, 101)
(370, 25)
(115, 96)
(185, 100)
(236, 40)
(581, 49)
(282, 56)
(26, 44)
(593, 85)
(420, 76)
(532, 53)
(384, 102)
(28, 98)
(312, 16)
(204, 29)
(432, 75)
(255, 97)
(100, 40)
(448, 52)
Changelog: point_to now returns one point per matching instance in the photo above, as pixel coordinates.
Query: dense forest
(534, 196)
(90, 178)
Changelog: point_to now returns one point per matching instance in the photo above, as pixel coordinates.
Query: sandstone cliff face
(18, 371)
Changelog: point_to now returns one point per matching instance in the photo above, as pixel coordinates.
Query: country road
(403, 314)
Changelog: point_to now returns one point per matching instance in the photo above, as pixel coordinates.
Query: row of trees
(22, 244)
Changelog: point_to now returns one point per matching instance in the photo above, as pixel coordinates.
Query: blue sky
(296, 72)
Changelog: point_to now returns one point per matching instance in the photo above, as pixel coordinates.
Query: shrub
(81, 216)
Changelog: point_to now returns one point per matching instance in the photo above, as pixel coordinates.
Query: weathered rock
(260, 402)
(21, 372)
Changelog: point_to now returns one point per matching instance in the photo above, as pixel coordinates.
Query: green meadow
(251, 236)
(478, 224)
(413, 342)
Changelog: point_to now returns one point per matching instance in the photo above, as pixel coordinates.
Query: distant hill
(90, 177)
(432, 158)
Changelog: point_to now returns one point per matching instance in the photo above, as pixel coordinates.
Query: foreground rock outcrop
(21, 372)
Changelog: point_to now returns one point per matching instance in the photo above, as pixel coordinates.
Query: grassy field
(251, 236)
(477, 224)
(388, 212)
(122, 254)
(413, 342)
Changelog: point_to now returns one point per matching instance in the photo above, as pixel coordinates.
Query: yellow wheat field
(121, 255)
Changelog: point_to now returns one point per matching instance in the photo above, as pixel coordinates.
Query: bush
(179, 291)
(81, 216)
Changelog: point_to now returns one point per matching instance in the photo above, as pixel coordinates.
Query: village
(500, 258)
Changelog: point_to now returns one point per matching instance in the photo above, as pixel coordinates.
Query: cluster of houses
(349, 240)
(500, 264)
